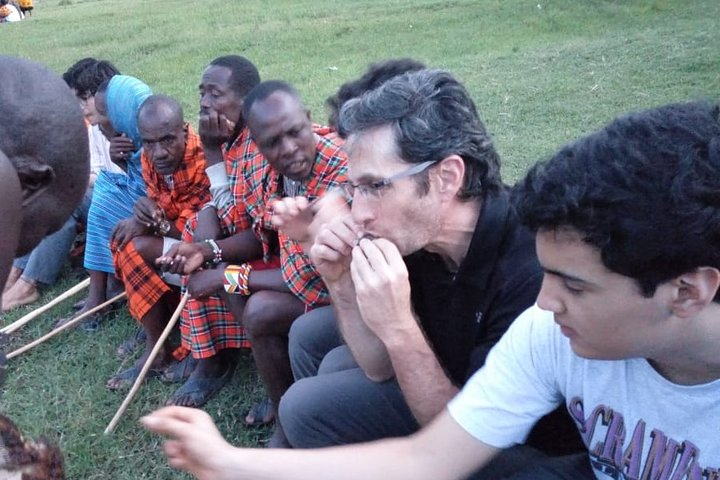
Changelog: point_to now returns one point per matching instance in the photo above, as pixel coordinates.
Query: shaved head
(163, 132)
(44, 138)
(161, 108)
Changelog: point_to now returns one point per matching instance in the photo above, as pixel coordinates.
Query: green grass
(541, 74)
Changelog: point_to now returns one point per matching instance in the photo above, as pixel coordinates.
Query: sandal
(129, 345)
(90, 324)
(200, 390)
(179, 371)
(126, 378)
(262, 413)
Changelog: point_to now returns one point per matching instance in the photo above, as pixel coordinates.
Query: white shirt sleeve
(219, 186)
(500, 404)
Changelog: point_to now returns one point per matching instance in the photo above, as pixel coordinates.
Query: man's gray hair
(432, 116)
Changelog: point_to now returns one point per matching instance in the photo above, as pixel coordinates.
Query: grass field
(541, 74)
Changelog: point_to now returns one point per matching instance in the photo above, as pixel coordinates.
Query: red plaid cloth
(263, 185)
(207, 325)
(240, 153)
(144, 287)
(190, 184)
(190, 191)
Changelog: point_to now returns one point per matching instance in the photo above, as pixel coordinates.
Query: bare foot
(22, 293)
(12, 278)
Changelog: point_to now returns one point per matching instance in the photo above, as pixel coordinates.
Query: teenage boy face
(603, 313)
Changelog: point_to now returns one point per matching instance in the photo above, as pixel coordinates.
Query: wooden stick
(69, 324)
(141, 376)
(40, 310)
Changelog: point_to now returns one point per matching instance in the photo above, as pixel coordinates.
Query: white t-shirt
(100, 152)
(635, 423)
(15, 14)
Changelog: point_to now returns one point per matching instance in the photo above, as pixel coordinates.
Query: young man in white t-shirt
(628, 235)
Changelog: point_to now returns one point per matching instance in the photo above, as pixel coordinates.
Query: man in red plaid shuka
(211, 336)
(297, 159)
(173, 167)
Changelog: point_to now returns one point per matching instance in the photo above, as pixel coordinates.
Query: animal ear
(35, 177)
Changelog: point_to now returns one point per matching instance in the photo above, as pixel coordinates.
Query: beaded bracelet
(237, 279)
(216, 251)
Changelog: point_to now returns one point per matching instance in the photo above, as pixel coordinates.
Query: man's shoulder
(329, 146)
(243, 149)
(502, 241)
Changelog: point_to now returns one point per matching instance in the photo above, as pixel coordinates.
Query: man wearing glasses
(426, 269)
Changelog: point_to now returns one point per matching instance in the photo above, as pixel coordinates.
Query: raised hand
(301, 220)
(215, 128)
(331, 252)
(121, 148)
(382, 286)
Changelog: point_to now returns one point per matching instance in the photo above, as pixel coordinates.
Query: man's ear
(309, 116)
(695, 290)
(35, 177)
(450, 173)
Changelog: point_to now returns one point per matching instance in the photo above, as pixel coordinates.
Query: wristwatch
(163, 227)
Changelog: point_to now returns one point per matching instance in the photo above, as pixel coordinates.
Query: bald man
(173, 167)
(44, 170)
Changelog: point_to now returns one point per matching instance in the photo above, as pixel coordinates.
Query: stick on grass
(141, 376)
(40, 310)
(69, 324)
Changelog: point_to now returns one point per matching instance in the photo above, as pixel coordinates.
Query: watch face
(164, 227)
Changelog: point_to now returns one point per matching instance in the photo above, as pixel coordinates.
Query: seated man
(45, 262)
(296, 160)
(449, 269)
(228, 148)
(173, 167)
(44, 169)
(624, 333)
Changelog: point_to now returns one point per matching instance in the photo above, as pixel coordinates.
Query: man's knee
(260, 313)
(149, 248)
(302, 410)
(311, 337)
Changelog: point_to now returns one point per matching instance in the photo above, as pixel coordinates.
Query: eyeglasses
(374, 189)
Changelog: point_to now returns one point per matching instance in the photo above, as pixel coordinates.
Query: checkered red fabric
(144, 287)
(207, 325)
(263, 185)
(190, 191)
